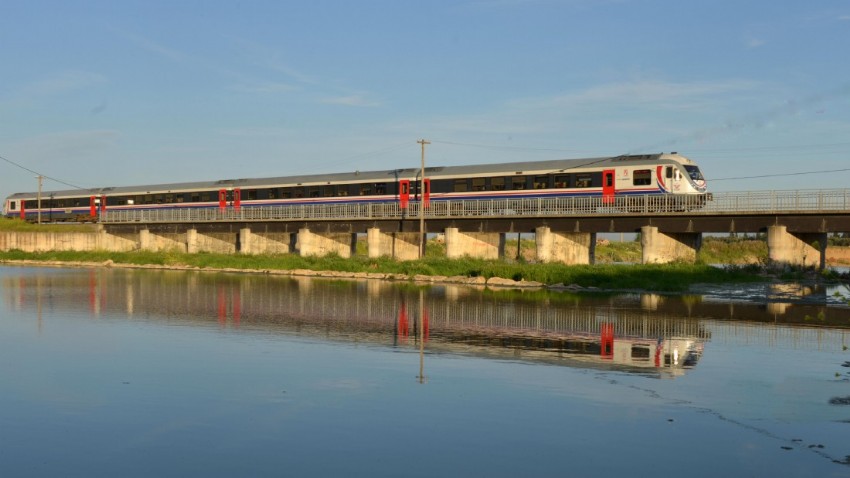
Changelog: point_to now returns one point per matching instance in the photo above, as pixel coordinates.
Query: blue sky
(123, 92)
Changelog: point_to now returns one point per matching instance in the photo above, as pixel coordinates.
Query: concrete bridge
(796, 223)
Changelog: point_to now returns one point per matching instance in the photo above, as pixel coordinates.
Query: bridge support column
(403, 246)
(221, 243)
(566, 247)
(264, 242)
(149, 241)
(661, 248)
(796, 249)
(315, 244)
(481, 245)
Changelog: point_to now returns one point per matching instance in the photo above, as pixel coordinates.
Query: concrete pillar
(192, 241)
(481, 245)
(245, 241)
(145, 240)
(403, 246)
(315, 244)
(796, 249)
(661, 248)
(263, 242)
(566, 247)
(161, 242)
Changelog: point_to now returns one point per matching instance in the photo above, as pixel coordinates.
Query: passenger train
(605, 177)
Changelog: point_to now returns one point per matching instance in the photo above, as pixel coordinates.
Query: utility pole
(422, 201)
(40, 178)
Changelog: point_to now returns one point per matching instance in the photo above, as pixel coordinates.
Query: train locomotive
(606, 177)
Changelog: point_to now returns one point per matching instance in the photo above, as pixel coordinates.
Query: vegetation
(18, 225)
(669, 277)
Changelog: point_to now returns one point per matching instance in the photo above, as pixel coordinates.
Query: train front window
(694, 173)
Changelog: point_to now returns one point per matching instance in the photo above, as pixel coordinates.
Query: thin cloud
(351, 100)
(62, 83)
(151, 46)
(755, 43)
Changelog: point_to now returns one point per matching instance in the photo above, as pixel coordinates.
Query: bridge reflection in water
(660, 336)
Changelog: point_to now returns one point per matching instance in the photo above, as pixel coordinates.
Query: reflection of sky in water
(168, 389)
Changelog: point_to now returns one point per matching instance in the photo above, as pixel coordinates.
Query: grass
(18, 225)
(668, 277)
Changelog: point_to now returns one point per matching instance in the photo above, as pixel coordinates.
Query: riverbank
(675, 277)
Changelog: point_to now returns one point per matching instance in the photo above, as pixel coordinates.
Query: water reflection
(655, 335)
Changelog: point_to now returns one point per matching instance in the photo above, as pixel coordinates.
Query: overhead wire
(42, 175)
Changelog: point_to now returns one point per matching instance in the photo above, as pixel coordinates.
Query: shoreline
(493, 282)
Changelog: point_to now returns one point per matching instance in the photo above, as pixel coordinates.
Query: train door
(93, 203)
(426, 185)
(608, 186)
(403, 193)
(607, 340)
(237, 199)
(23, 210)
(222, 199)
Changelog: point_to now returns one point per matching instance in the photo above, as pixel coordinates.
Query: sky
(115, 93)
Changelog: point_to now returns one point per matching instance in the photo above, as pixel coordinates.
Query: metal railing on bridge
(752, 202)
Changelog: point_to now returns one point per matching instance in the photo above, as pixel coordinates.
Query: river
(109, 372)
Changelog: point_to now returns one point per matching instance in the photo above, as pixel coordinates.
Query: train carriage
(609, 178)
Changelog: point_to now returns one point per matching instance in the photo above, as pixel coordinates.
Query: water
(140, 373)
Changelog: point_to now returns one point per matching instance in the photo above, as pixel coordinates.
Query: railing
(753, 202)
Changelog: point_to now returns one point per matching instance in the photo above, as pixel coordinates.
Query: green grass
(668, 277)
(18, 225)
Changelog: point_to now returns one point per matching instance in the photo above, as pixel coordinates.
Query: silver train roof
(524, 167)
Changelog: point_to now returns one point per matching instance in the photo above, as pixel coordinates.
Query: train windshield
(694, 173)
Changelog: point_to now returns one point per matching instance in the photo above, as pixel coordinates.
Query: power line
(42, 175)
(800, 173)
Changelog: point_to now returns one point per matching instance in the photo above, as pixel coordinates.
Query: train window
(478, 184)
(541, 182)
(642, 177)
(583, 180)
(342, 190)
(286, 193)
(669, 171)
(169, 198)
(252, 194)
(195, 197)
(380, 188)
(272, 193)
(181, 197)
(314, 191)
(365, 189)
(13, 205)
(498, 184)
(328, 191)
(562, 181)
(640, 352)
(518, 182)
(460, 185)
(694, 173)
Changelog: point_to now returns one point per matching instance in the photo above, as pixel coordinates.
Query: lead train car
(606, 177)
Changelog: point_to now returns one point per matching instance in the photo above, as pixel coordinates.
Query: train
(604, 177)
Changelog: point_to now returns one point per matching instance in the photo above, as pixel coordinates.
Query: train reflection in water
(661, 336)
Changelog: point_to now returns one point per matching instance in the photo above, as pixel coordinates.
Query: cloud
(63, 82)
(350, 100)
(67, 144)
(265, 87)
(844, 18)
(151, 46)
(755, 43)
